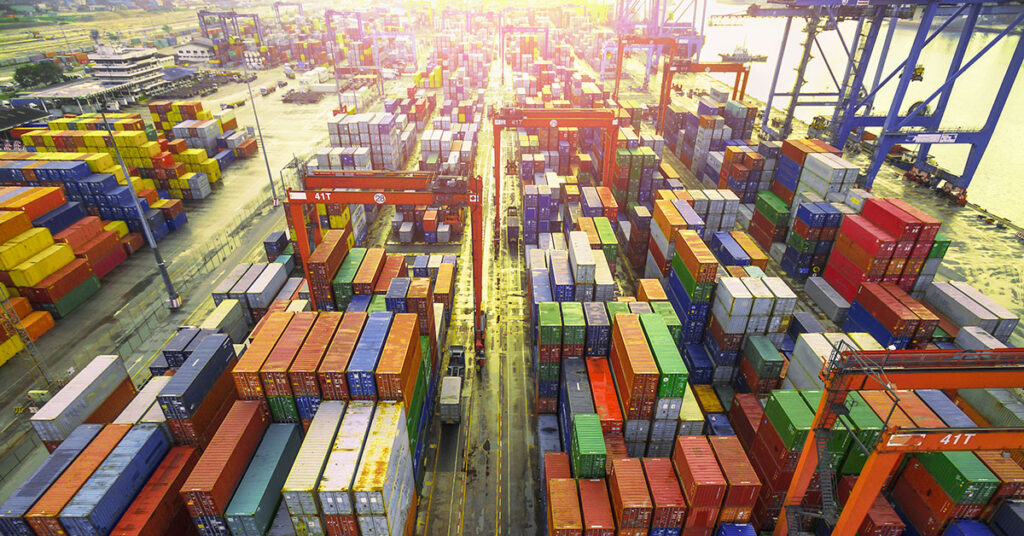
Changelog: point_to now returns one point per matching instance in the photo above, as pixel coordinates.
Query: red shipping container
(556, 465)
(875, 241)
(331, 373)
(42, 517)
(891, 219)
(615, 445)
(105, 265)
(927, 320)
(302, 372)
(892, 314)
(181, 525)
(341, 525)
(929, 225)
(903, 249)
(324, 262)
(60, 283)
(444, 284)
(743, 484)
(636, 373)
(758, 386)
(247, 371)
(702, 480)
(212, 482)
(631, 502)
(369, 270)
(274, 372)
(564, 517)
(667, 496)
(36, 202)
(159, 503)
(420, 301)
(596, 507)
(199, 429)
(80, 232)
(925, 485)
(745, 415)
(916, 509)
(400, 359)
(705, 516)
(606, 401)
(881, 519)
(131, 243)
(394, 266)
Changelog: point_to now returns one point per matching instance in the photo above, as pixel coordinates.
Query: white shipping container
(384, 483)
(733, 295)
(958, 307)
(734, 324)
(764, 300)
(604, 282)
(335, 488)
(79, 398)
(224, 317)
(266, 286)
(975, 338)
(1007, 320)
(785, 298)
(581, 257)
(300, 488)
(143, 401)
(865, 341)
(298, 306)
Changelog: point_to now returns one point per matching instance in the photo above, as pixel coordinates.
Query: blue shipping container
(180, 398)
(362, 384)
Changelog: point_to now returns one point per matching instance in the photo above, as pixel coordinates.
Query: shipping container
(564, 516)
(333, 367)
(631, 501)
(246, 371)
(209, 487)
(666, 495)
(596, 507)
(253, 506)
(384, 485)
(700, 476)
(335, 489)
(300, 488)
(362, 383)
(158, 503)
(181, 397)
(80, 398)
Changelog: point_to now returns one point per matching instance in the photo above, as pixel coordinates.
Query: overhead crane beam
(389, 188)
(852, 370)
(277, 10)
(739, 88)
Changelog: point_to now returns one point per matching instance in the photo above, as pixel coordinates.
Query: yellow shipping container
(42, 264)
(10, 348)
(99, 162)
(204, 115)
(118, 226)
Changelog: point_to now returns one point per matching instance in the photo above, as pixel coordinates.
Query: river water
(994, 182)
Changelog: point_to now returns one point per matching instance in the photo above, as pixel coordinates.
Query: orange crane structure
(327, 187)
(854, 370)
(602, 118)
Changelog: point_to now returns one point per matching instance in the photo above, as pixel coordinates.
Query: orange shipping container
(35, 202)
(302, 372)
(37, 323)
(246, 371)
(368, 272)
(13, 224)
(333, 381)
(400, 360)
(636, 373)
(696, 255)
(274, 371)
(649, 290)
(564, 517)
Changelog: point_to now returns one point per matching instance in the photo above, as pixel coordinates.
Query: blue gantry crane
(277, 9)
(228, 23)
(680, 20)
(854, 102)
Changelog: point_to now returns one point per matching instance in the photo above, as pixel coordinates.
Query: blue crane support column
(848, 95)
(881, 59)
(812, 32)
(954, 65)
(978, 149)
(885, 143)
(775, 78)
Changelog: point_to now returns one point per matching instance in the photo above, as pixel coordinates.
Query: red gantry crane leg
(389, 188)
(852, 370)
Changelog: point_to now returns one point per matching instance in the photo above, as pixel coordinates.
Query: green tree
(45, 73)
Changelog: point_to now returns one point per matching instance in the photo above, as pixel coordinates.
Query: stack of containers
(158, 504)
(666, 495)
(963, 305)
(792, 162)
(302, 373)
(274, 370)
(300, 488)
(741, 171)
(743, 484)
(335, 489)
(891, 316)
(670, 217)
(702, 481)
(254, 505)
(770, 219)
(195, 400)
(342, 283)
(639, 236)
(671, 385)
(810, 239)
(385, 499)
(384, 133)
(549, 355)
(631, 500)
(581, 260)
(637, 377)
(689, 286)
(98, 393)
(323, 264)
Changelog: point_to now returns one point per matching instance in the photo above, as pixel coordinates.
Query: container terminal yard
(627, 267)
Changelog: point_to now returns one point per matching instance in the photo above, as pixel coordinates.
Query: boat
(742, 55)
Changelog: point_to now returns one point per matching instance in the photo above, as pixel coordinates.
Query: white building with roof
(140, 68)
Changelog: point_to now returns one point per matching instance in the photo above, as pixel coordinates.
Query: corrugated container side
(213, 480)
(564, 517)
(331, 373)
(743, 484)
(42, 517)
(80, 398)
(301, 486)
(667, 496)
(335, 489)
(303, 371)
(633, 365)
(362, 384)
(254, 505)
(631, 501)
(246, 371)
(596, 507)
(159, 502)
(384, 485)
(274, 372)
(187, 389)
(699, 474)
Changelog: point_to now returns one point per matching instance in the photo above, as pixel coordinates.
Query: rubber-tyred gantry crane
(602, 118)
(390, 188)
(668, 43)
(853, 370)
(739, 88)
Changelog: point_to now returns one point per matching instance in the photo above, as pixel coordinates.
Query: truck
(449, 405)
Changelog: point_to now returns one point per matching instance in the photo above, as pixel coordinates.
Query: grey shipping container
(1007, 320)
(255, 502)
(35, 486)
(975, 338)
(451, 395)
(143, 400)
(958, 307)
(266, 286)
(98, 505)
(238, 291)
(223, 289)
(827, 299)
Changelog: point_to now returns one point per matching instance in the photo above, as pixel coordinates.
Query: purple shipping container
(562, 288)
(945, 409)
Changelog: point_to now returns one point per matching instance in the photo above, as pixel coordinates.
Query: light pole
(173, 299)
(259, 131)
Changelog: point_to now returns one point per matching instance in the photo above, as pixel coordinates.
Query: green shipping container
(800, 245)
(1000, 407)
(283, 409)
(588, 450)
(790, 417)
(419, 395)
(73, 299)
(939, 247)
(772, 207)
(377, 304)
(574, 326)
(609, 244)
(342, 282)
(962, 476)
(762, 355)
(868, 428)
(698, 292)
(841, 437)
(548, 371)
(549, 323)
(672, 371)
(668, 314)
(615, 308)
(258, 495)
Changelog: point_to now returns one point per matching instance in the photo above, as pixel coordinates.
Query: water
(969, 104)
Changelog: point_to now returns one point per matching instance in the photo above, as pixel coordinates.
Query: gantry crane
(324, 187)
(849, 369)
(739, 87)
(277, 9)
(602, 118)
(667, 44)
(228, 22)
(504, 30)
